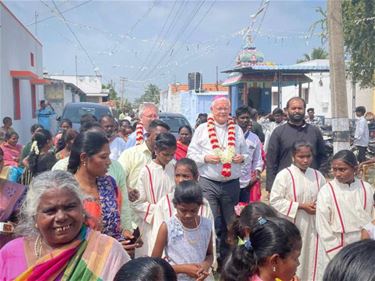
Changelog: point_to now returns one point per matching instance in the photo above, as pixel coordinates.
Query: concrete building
(91, 85)
(21, 71)
(179, 99)
(317, 93)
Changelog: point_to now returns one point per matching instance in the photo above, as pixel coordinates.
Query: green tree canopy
(316, 54)
(359, 38)
(152, 94)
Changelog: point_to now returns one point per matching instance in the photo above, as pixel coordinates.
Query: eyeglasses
(151, 116)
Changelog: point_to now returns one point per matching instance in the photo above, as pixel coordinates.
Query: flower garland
(226, 155)
(139, 133)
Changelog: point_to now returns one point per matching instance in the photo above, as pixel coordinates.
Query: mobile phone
(137, 236)
(6, 227)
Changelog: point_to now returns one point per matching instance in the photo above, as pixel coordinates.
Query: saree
(93, 256)
(11, 154)
(104, 213)
(181, 151)
(11, 195)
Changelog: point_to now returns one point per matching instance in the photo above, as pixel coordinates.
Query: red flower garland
(139, 133)
(227, 154)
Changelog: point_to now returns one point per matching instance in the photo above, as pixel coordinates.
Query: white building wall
(16, 44)
(320, 93)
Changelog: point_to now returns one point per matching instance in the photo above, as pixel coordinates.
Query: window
(16, 99)
(32, 59)
(33, 101)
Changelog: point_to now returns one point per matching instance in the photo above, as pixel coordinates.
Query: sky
(161, 41)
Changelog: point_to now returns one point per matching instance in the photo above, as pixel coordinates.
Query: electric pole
(122, 90)
(339, 104)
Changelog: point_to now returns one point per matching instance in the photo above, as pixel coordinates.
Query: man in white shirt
(361, 135)
(147, 113)
(219, 148)
(116, 144)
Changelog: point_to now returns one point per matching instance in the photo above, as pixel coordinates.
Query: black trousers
(222, 197)
(361, 153)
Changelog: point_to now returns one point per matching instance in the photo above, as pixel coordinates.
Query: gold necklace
(38, 246)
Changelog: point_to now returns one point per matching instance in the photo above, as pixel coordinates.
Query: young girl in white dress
(155, 180)
(293, 195)
(186, 237)
(343, 208)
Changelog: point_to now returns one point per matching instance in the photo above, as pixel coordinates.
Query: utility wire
(63, 12)
(73, 33)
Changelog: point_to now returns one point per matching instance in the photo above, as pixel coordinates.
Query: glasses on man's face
(155, 116)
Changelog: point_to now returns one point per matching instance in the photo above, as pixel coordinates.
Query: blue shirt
(44, 117)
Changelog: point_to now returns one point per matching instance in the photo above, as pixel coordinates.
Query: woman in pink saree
(55, 243)
(12, 150)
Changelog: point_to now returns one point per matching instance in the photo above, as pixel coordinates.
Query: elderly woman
(55, 243)
(12, 150)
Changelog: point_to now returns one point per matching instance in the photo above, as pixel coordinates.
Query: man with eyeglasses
(147, 113)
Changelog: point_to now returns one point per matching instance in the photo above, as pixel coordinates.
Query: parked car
(74, 111)
(174, 121)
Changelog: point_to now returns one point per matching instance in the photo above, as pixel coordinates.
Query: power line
(72, 31)
(63, 12)
(190, 19)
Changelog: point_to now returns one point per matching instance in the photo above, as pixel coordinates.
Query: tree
(152, 94)
(359, 35)
(359, 38)
(112, 92)
(316, 54)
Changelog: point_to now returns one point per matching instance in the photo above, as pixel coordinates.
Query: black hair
(1, 152)
(157, 123)
(146, 269)
(90, 142)
(242, 110)
(125, 122)
(277, 111)
(346, 156)
(310, 109)
(253, 113)
(268, 237)
(187, 127)
(66, 138)
(8, 135)
(296, 98)
(105, 116)
(89, 125)
(354, 262)
(41, 138)
(87, 117)
(247, 219)
(35, 127)
(298, 144)
(189, 163)
(66, 120)
(165, 141)
(188, 192)
(373, 197)
(7, 118)
(360, 109)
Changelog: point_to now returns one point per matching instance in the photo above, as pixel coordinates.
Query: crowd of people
(122, 201)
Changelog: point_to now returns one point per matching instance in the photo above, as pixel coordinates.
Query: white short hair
(220, 98)
(143, 106)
